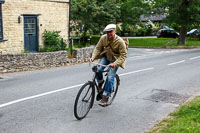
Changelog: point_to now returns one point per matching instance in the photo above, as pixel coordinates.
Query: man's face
(111, 34)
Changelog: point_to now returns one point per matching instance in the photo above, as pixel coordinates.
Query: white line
(123, 74)
(174, 63)
(195, 58)
(59, 90)
(39, 95)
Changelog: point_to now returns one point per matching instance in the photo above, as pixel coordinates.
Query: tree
(131, 10)
(81, 14)
(93, 15)
(181, 12)
(107, 12)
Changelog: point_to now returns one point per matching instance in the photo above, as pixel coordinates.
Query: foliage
(127, 29)
(149, 28)
(141, 32)
(25, 51)
(131, 10)
(175, 26)
(94, 39)
(52, 41)
(184, 120)
(51, 37)
(145, 29)
(141, 29)
(91, 16)
(91, 40)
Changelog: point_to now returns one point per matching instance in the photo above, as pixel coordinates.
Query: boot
(104, 101)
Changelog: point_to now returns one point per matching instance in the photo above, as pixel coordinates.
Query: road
(153, 84)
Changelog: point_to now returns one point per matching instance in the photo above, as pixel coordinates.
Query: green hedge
(95, 39)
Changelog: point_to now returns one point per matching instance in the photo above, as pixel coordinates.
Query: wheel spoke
(83, 101)
(114, 91)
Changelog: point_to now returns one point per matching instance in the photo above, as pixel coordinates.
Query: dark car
(193, 32)
(167, 33)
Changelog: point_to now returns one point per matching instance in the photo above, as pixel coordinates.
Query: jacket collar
(115, 37)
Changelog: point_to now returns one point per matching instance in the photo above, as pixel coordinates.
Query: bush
(148, 28)
(141, 32)
(53, 41)
(95, 39)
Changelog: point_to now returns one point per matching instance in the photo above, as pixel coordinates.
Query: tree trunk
(183, 34)
(85, 29)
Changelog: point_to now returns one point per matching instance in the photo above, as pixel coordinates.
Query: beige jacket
(118, 49)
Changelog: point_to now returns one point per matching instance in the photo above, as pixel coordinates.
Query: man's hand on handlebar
(112, 65)
(91, 59)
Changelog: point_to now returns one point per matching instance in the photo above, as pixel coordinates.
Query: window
(1, 24)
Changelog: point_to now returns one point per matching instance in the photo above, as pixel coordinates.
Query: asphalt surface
(153, 84)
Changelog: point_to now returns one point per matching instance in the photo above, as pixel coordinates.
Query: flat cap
(110, 27)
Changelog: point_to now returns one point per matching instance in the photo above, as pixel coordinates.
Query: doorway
(31, 33)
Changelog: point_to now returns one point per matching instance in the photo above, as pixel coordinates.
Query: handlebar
(94, 68)
(98, 64)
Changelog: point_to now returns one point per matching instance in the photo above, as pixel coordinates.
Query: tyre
(115, 89)
(84, 100)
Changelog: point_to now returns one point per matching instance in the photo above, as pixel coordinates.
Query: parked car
(167, 33)
(193, 32)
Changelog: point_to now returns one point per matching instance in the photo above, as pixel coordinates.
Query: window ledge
(3, 40)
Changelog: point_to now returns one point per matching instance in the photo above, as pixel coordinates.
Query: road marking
(123, 74)
(174, 63)
(39, 95)
(59, 90)
(195, 58)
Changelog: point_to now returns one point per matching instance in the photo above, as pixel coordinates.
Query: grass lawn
(189, 43)
(162, 43)
(186, 119)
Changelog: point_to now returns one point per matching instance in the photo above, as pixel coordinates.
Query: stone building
(22, 23)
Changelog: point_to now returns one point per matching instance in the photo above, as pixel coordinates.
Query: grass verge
(162, 43)
(186, 119)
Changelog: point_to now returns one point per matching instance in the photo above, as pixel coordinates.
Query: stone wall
(35, 61)
(52, 15)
